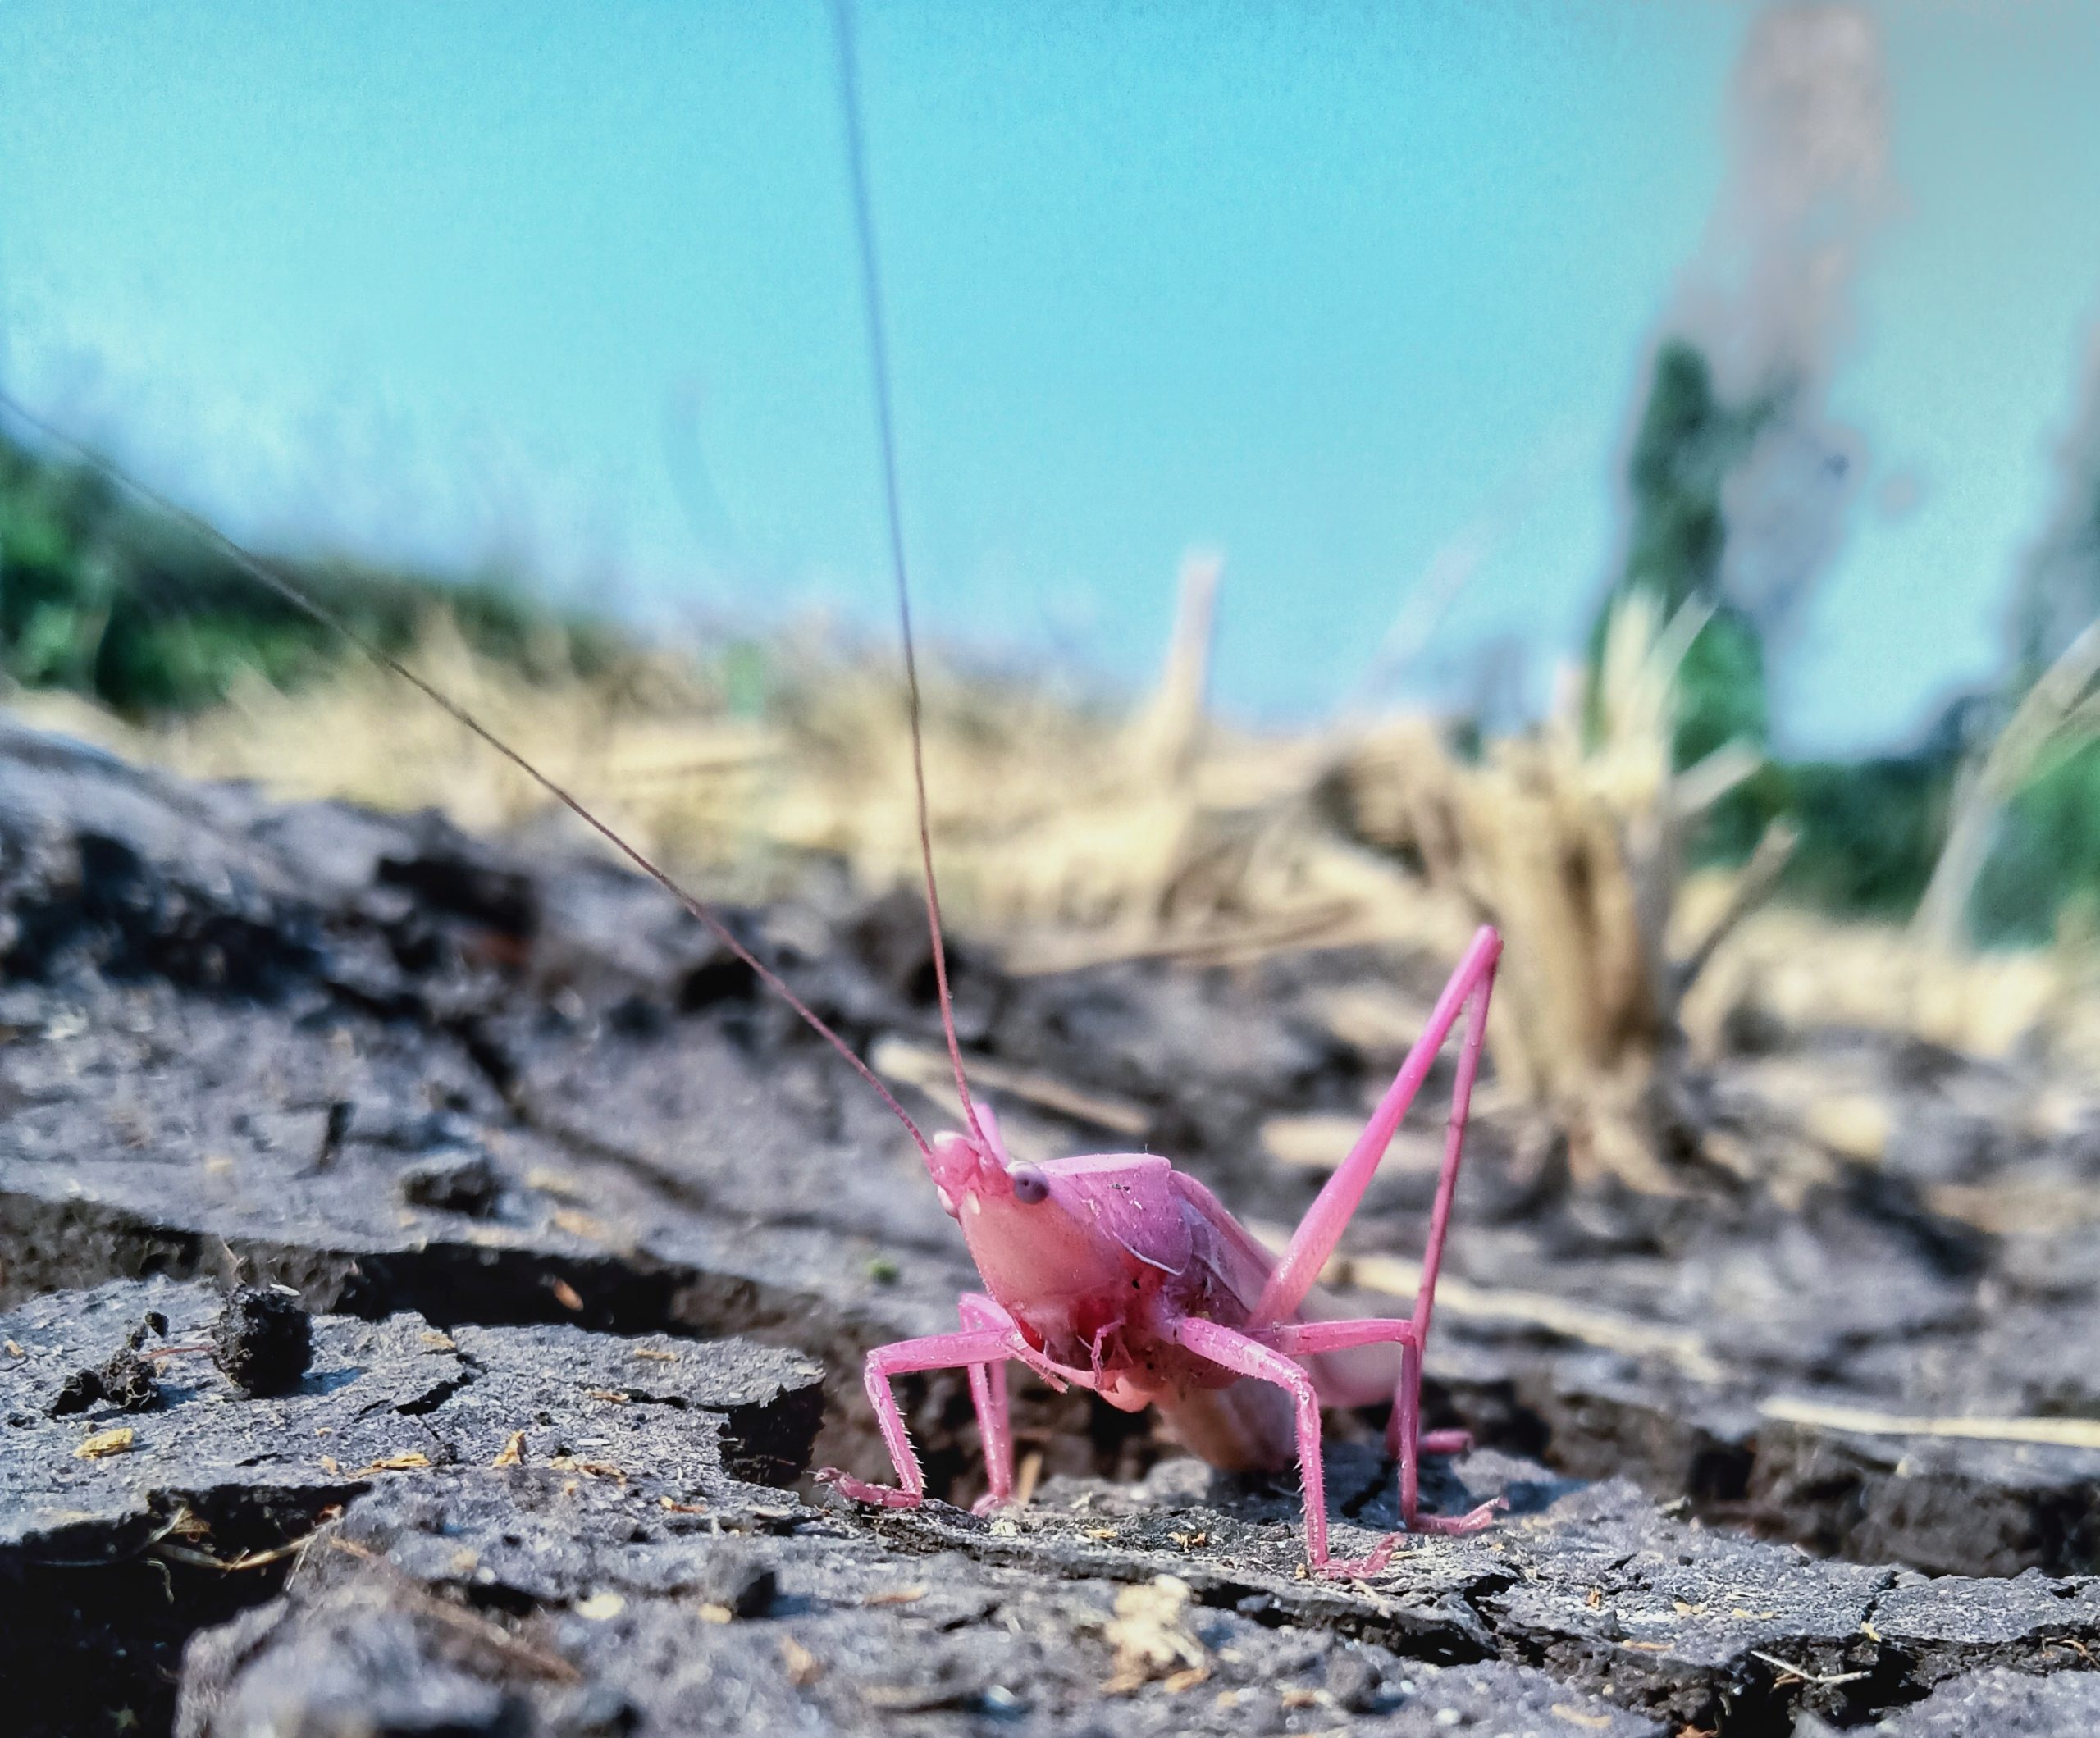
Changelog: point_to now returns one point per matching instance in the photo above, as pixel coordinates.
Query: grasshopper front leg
(988, 1341)
(987, 1393)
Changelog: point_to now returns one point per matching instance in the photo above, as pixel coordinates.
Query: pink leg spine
(1406, 1424)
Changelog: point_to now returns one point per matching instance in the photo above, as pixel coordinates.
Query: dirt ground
(595, 1235)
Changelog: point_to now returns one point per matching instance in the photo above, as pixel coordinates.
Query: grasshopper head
(1067, 1246)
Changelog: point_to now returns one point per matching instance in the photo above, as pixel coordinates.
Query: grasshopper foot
(860, 1490)
(1360, 1568)
(1447, 1442)
(1474, 1521)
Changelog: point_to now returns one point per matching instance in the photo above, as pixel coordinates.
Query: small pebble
(126, 1382)
(456, 1180)
(739, 1582)
(263, 1340)
(1352, 1680)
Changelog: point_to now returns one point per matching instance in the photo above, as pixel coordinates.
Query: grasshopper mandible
(1115, 1272)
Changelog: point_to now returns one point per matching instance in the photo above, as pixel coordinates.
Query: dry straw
(1068, 835)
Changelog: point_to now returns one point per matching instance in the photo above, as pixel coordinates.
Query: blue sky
(1325, 286)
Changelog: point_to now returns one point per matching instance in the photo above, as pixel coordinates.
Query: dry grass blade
(1168, 738)
(1321, 1141)
(2010, 1209)
(250, 1560)
(472, 1627)
(1791, 1673)
(2052, 1433)
(920, 1066)
(2062, 708)
(1570, 840)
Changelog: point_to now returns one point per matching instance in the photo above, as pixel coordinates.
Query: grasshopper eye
(1030, 1185)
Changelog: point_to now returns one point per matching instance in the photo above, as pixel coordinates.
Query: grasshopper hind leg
(1408, 1442)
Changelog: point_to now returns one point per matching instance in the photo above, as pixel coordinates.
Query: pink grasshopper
(1117, 1274)
(1114, 1273)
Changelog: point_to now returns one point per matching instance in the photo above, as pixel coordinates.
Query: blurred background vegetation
(1673, 874)
(110, 600)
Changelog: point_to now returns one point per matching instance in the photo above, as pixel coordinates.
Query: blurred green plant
(2044, 866)
(110, 600)
(1869, 830)
(2022, 859)
(2034, 773)
(113, 600)
(1688, 443)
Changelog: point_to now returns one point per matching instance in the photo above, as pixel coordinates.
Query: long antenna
(871, 300)
(296, 595)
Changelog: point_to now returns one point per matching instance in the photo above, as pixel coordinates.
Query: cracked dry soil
(595, 1238)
